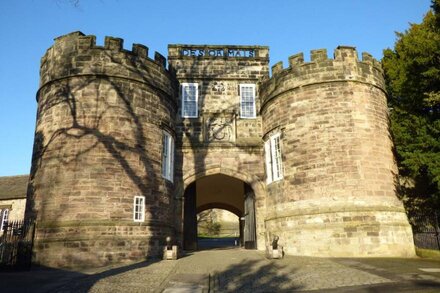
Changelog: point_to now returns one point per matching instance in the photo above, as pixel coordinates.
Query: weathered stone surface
(98, 143)
(338, 195)
(101, 112)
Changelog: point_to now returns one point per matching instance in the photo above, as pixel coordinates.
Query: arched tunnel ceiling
(220, 190)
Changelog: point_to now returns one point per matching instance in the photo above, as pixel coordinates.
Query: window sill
(274, 181)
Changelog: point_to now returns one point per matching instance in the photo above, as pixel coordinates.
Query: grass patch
(428, 253)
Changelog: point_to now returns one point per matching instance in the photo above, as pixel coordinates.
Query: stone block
(272, 253)
(171, 253)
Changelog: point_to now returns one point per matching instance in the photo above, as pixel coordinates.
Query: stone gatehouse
(129, 149)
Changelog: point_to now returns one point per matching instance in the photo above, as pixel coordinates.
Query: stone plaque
(220, 128)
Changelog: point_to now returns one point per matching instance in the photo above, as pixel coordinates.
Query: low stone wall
(98, 243)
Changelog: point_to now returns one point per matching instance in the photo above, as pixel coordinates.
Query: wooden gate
(190, 218)
(249, 236)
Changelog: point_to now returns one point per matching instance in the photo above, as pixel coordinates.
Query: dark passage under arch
(241, 203)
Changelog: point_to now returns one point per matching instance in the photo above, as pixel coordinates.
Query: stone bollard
(274, 251)
(170, 252)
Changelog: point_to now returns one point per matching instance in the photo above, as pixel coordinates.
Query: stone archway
(219, 191)
(220, 205)
(231, 171)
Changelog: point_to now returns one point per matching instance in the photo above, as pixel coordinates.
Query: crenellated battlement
(344, 66)
(341, 53)
(77, 54)
(87, 42)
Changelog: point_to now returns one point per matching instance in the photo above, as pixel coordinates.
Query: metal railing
(426, 230)
(16, 241)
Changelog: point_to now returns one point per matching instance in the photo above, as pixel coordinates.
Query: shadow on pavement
(43, 279)
(254, 276)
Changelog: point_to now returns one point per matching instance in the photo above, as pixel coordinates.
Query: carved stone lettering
(218, 52)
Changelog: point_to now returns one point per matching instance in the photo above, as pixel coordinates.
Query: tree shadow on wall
(101, 129)
(199, 135)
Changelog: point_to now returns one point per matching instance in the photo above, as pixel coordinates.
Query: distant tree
(204, 217)
(412, 74)
(207, 223)
(214, 228)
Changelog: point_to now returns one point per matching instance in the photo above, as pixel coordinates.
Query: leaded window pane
(247, 101)
(274, 165)
(167, 156)
(189, 100)
(139, 208)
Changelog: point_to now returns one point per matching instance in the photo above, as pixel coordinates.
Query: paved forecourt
(238, 270)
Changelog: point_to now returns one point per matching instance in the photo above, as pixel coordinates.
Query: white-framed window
(247, 101)
(4, 216)
(167, 156)
(139, 208)
(190, 98)
(274, 164)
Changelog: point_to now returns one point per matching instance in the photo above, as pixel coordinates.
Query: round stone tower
(102, 114)
(337, 195)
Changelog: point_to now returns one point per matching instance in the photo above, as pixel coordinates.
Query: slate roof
(13, 187)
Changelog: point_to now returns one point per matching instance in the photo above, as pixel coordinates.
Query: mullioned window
(247, 101)
(274, 164)
(190, 97)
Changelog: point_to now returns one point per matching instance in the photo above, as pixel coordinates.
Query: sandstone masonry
(107, 117)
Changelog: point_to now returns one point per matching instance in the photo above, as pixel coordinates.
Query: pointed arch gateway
(224, 192)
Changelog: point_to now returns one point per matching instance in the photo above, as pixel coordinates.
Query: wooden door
(250, 238)
(190, 218)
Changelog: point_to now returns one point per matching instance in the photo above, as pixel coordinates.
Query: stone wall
(219, 79)
(338, 194)
(98, 143)
(219, 139)
(101, 115)
(16, 208)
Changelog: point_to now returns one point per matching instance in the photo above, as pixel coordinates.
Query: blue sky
(28, 27)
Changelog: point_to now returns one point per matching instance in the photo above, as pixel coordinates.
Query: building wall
(16, 208)
(101, 114)
(338, 194)
(237, 146)
(219, 80)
